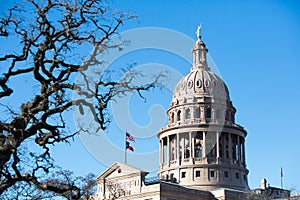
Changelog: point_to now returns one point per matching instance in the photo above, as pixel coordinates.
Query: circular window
(207, 83)
(198, 83)
(190, 84)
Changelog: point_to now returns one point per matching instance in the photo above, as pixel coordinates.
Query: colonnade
(202, 145)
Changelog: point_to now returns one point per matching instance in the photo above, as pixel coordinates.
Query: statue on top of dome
(198, 30)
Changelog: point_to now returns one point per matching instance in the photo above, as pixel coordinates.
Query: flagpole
(281, 176)
(125, 148)
(125, 155)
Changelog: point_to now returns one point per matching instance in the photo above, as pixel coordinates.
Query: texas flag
(129, 147)
(129, 137)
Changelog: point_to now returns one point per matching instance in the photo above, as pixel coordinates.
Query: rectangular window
(226, 175)
(212, 173)
(197, 113)
(197, 173)
(237, 175)
(208, 113)
(183, 174)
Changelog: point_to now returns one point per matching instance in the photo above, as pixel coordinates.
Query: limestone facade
(202, 149)
(202, 146)
(122, 181)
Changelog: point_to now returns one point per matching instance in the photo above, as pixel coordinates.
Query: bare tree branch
(50, 35)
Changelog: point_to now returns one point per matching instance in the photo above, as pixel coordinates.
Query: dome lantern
(199, 53)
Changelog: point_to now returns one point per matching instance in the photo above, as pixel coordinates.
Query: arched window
(188, 114)
(197, 112)
(172, 117)
(232, 117)
(178, 115)
(208, 113)
(227, 116)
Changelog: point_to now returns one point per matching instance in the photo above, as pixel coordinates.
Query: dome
(202, 83)
(201, 87)
(202, 146)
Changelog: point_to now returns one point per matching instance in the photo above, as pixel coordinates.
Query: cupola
(202, 146)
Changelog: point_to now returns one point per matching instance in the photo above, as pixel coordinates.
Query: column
(244, 155)
(183, 146)
(192, 109)
(202, 114)
(181, 115)
(218, 145)
(204, 145)
(212, 114)
(177, 147)
(239, 149)
(223, 145)
(242, 150)
(230, 147)
(168, 147)
(161, 152)
(193, 145)
(190, 143)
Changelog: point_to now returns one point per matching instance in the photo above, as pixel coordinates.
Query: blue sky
(256, 47)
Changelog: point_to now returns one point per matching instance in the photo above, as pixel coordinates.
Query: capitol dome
(201, 86)
(201, 82)
(202, 146)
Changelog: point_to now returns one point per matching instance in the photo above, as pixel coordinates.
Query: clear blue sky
(256, 47)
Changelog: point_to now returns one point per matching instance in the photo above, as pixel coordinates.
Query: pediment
(120, 170)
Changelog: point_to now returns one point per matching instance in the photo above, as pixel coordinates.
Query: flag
(281, 172)
(129, 147)
(129, 137)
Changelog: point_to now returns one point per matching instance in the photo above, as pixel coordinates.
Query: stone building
(121, 181)
(268, 192)
(202, 146)
(202, 149)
